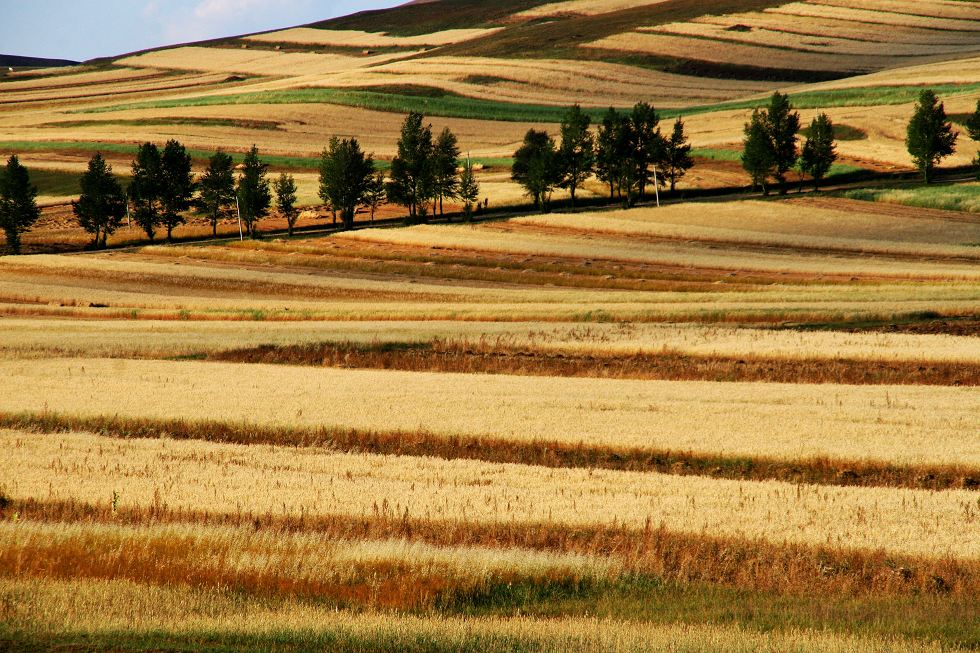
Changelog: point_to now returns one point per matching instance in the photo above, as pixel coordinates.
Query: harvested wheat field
(717, 420)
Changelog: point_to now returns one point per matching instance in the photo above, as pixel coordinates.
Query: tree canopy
(930, 137)
(254, 196)
(102, 204)
(18, 202)
(820, 149)
(536, 167)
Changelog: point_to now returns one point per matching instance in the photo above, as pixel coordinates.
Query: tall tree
(144, 189)
(930, 137)
(783, 124)
(608, 158)
(285, 187)
(374, 195)
(446, 163)
(758, 157)
(676, 155)
(576, 155)
(646, 145)
(536, 167)
(412, 175)
(820, 149)
(18, 202)
(254, 197)
(102, 204)
(216, 188)
(176, 185)
(973, 129)
(469, 190)
(345, 174)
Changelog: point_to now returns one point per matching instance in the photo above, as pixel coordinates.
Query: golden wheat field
(716, 421)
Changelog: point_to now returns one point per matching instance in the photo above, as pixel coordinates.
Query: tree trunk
(572, 189)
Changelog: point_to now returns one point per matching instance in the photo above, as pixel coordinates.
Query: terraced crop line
(553, 454)
(606, 550)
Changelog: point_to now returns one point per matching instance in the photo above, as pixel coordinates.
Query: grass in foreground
(120, 616)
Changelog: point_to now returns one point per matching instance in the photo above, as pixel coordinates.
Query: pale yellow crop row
(799, 218)
(876, 15)
(113, 607)
(146, 338)
(361, 39)
(744, 55)
(792, 225)
(251, 62)
(287, 481)
(900, 424)
(91, 77)
(934, 8)
(736, 256)
(582, 7)
(223, 552)
(824, 43)
(815, 28)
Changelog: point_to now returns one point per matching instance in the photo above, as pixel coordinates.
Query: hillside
(492, 71)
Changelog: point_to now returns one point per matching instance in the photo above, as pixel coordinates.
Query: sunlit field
(717, 421)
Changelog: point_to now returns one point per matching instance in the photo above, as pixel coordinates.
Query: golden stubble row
(221, 555)
(111, 607)
(735, 255)
(280, 481)
(898, 424)
(94, 338)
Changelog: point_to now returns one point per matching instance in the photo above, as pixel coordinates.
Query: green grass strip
(947, 197)
(454, 106)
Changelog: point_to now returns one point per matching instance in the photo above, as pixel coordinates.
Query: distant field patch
(362, 39)
(441, 104)
(238, 123)
(959, 197)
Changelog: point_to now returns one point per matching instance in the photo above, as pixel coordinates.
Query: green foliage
(18, 205)
(102, 204)
(446, 161)
(973, 129)
(285, 187)
(254, 197)
(676, 159)
(769, 146)
(216, 188)
(536, 167)
(644, 147)
(783, 124)
(345, 173)
(412, 175)
(758, 157)
(375, 195)
(469, 190)
(930, 137)
(144, 189)
(608, 161)
(576, 155)
(820, 150)
(176, 185)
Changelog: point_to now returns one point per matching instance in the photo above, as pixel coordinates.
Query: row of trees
(425, 172)
(770, 147)
(626, 152)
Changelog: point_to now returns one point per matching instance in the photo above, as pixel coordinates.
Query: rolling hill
(491, 72)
